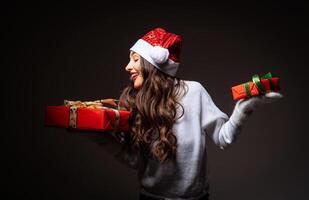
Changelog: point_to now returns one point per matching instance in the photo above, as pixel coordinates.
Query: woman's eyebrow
(135, 56)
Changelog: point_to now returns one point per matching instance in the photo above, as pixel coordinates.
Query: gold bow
(101, 104)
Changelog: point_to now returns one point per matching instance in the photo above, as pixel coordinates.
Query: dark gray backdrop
(79, 50)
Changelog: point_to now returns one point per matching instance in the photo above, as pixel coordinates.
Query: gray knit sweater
(186, 176)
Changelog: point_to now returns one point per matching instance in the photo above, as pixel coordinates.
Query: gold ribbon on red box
(87, 116)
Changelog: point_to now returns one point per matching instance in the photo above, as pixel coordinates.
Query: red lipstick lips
(134, 76)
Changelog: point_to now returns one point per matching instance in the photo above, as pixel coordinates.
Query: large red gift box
(258, 86)
(87, 118)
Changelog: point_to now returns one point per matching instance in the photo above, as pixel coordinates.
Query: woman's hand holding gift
(249, 105)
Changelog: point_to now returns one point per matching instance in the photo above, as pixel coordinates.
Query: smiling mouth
(134, 76)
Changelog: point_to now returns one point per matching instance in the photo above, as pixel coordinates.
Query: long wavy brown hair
(153, 110)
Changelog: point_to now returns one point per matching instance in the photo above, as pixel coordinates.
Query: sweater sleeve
(217, 125)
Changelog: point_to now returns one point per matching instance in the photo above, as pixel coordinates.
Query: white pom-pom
(159, 54)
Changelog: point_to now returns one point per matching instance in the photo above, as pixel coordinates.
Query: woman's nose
(129, 67)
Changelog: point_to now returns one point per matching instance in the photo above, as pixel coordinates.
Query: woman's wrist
(239, 115)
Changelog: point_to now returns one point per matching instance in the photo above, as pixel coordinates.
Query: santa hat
(160, 48)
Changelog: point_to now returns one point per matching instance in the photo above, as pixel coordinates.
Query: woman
(171, 119)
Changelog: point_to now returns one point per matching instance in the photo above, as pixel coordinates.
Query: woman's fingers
(253, 103)
(272, 96)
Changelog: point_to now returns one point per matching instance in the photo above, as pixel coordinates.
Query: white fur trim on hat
(157, 56)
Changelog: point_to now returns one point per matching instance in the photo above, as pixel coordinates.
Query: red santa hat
(160, 48)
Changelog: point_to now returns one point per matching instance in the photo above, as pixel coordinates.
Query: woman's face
(135, 69)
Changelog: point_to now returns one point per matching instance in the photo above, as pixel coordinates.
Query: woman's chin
(137, 87)
(138, 83)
